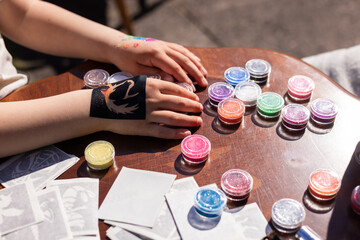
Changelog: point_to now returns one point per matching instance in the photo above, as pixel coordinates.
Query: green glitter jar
(269, 105)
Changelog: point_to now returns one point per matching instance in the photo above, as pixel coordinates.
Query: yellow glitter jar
(100, 155)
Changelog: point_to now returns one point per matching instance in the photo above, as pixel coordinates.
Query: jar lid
(324, 182)
(295, 114)
(236, 182)
(231, 108)
(220, 90)
(153, 75)
(186, 86)
(270, 102)
(210, 200)
(324, 108)
(99, 152)
(195, 146)
(301, 85)
(96, 78)
(287, 213)
(258, 67)
(235, 75)
(248, 92)
(119, 76)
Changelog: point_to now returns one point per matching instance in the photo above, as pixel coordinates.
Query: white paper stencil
(80, 197)
(19, 208)
(136, 197)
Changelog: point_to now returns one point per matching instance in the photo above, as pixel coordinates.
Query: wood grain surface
(280, 162)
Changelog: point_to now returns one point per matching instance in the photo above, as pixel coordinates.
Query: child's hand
(145, 55)
(166, 107)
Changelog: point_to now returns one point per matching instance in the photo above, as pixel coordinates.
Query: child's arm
(31, 124)
(47, 28)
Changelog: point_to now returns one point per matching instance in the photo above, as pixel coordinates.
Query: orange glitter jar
(324, 184)
(231, 111)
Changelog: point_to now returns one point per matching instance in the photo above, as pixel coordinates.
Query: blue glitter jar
(236, 75)
(209, 201)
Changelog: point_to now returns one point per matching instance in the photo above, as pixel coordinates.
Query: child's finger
(190, 55)
(168, 65)
(171, 118)
(189, 66)
(162, 131)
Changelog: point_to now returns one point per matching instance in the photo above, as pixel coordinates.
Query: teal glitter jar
(269, 105)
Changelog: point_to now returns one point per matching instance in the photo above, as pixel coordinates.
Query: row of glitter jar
(236, 185)
(99, 77)
(270, 105)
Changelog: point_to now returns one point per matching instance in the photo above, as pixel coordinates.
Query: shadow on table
(185, 169)
(124, 144)
(202, 223)
(344, 222)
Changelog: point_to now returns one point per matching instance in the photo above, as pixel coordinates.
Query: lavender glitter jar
(323, 111)
(219, 91)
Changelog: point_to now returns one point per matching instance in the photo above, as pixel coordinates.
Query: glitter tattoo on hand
(121, 100)
(126, 44)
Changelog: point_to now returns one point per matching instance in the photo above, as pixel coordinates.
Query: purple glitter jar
(323, 111)
(219, 91)
(295, 117)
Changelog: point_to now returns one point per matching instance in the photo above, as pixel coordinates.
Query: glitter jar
(219, 91)
(99, 155)
(324, 184)
(355, 200)
(258, 69)
(300, 87)
(186, 86)
(236, 75)
(209, 201)
(295, 117)
(231, 111)
(248, 93)
(96, 78)
(119, 76)
(323, 111)
(153, 75)
(195, 149)
(236, 184)
(269, 104)
(287, 215)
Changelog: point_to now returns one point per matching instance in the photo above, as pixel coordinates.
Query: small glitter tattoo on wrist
(125, 44)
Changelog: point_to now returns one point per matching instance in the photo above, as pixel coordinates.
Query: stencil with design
(121, 100)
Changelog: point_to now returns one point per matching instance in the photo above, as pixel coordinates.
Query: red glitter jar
(237, 184)
(355, 199)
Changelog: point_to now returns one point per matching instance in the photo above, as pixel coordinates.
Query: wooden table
(279, 162)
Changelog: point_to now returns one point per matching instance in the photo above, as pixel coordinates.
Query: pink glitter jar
(300, 87)
(195, 149)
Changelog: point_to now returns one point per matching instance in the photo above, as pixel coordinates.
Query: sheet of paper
(136, 197)
(117, 233)
(250, 221)
(39, 166)
(193, 226)
(55, 224)
(164, 227)
(81, 198)
(19, 208)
